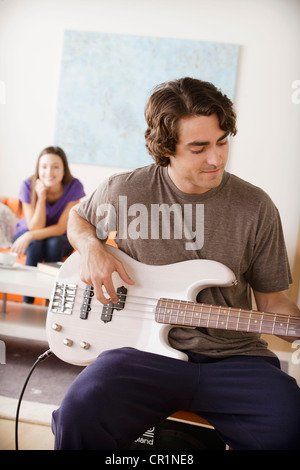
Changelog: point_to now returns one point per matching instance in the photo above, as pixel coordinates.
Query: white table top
(26, 280)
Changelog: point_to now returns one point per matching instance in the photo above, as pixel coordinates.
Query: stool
(190, 418)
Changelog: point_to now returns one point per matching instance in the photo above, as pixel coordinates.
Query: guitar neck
(192, 314)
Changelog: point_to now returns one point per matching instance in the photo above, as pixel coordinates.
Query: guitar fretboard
(185, 313)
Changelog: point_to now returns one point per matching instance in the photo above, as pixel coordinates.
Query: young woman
(46, 198)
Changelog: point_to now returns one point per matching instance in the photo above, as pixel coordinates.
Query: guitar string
(231, 310)
(233, 313)
(219, 323)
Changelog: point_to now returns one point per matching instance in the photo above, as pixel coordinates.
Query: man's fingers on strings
(100, 295)
(112, 293)
(106, 292)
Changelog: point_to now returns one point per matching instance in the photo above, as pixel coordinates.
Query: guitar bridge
(108, 309)
(63, 298)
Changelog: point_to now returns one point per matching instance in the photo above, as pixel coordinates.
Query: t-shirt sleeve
(88, 207)
(76, 190)
(99, 211)
(269, 270)
(25, 191)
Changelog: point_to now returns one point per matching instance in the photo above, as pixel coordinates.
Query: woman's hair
(175, 100)
(67, 178)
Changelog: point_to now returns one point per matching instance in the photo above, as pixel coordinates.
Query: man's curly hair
(177, 99)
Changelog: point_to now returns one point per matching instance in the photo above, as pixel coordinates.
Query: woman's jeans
(49, 250)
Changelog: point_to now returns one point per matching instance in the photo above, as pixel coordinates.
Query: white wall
(267, 146)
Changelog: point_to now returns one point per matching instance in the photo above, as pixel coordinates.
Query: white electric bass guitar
(79, 327)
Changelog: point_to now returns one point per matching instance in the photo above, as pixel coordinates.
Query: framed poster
(106, 80)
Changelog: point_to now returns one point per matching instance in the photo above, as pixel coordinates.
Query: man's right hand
(97, 267)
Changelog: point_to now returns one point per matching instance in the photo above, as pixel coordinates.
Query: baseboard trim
(30, 412)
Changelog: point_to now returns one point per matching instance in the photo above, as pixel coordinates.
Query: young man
(231, 379)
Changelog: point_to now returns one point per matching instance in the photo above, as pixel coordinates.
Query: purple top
(72, 192)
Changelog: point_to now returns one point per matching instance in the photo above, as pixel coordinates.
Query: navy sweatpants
(251, 403)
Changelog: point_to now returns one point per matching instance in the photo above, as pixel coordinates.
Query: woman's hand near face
(35, 212)
(40, 190)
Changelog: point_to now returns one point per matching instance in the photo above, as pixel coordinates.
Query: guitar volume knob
(68, 342)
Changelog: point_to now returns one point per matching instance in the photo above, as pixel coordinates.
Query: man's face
(200, 156)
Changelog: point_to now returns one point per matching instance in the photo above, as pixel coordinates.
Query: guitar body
(80, 340)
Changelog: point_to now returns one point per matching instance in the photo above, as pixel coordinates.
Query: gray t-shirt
(236, 224)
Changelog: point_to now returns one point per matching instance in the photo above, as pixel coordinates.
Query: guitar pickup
(121, 293)
(108, 309)
(86, 304)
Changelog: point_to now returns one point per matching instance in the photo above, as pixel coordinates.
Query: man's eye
(195, 152)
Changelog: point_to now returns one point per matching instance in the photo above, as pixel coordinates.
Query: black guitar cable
(41, 358)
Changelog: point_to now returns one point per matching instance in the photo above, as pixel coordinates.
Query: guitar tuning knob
(56, 326)
(84, 345)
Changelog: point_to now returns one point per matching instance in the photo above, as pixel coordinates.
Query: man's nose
(214, 157)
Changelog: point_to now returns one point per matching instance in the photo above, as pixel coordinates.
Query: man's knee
(96, 385)
(89, 406)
